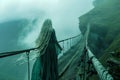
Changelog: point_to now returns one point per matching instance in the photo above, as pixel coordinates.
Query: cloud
(64, 15)
(32, 8)
(12, 9)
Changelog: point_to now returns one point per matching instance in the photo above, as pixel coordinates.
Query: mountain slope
(10, 32)
(104, 36)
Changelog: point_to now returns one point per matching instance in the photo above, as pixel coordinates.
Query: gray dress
(46, 65)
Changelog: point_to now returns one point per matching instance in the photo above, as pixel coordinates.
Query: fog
(63, 13)
(21, 21)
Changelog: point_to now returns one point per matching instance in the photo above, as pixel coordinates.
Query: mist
(21, 22)
(63, 13)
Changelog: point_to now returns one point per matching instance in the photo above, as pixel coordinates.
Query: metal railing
(88, 59)
(67, 43)
(28, 51)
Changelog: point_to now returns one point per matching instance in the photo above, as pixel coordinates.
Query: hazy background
(64, 15)
(21, 21)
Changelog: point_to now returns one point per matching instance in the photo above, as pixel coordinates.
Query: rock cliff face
(105, 26)
(104, 36)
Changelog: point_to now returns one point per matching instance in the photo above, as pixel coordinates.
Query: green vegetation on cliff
(104, 37)
(105, 21)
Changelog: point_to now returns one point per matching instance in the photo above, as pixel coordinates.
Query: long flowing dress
(46, 65)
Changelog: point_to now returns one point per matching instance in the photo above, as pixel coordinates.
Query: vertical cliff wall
(104, 38)
(105, 26)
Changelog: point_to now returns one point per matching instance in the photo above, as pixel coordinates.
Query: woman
(45, 66)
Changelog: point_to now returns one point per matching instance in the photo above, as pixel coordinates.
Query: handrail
(46, 39)
(102, 72)
(68, 38)
(88, 55)
(11, 53)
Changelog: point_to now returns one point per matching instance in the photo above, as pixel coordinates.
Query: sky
(63, 13)
(21, 21)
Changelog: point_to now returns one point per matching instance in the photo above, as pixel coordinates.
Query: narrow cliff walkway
(68, 64)
(78, 63)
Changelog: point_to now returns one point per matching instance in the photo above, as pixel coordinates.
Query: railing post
(102, 72)
(67, 44)
(63, 47)
(85, 62)
(28, 67)
(70, 42)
